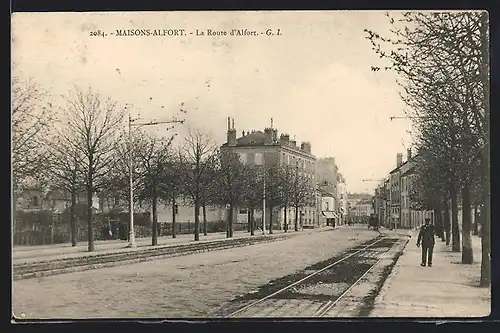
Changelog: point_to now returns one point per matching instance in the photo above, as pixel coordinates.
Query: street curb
(388, 281)
(126, 250)
(82, 268)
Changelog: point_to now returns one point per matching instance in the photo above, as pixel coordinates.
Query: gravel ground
(186, 286)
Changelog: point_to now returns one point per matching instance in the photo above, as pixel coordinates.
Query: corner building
(265, 148)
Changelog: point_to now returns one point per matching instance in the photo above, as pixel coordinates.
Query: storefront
(330, 218)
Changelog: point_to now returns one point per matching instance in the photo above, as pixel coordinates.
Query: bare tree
(275, 185)
(65, 172)
(31, 124)
(443, 60)
(253, 193)
(208, 190)
(154, 154)
(230, 183)
(300, 195)
(172, 186)
(195, 160)
(95, 125)
(288, 191)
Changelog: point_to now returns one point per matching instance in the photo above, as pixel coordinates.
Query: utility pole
(264, 203)
(131, 232)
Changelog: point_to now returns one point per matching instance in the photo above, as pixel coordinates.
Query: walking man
(426, 238)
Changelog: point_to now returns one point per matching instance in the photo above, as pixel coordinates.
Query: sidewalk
(447, 289)
(30, 254)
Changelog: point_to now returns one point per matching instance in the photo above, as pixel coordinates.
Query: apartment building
(266, 148)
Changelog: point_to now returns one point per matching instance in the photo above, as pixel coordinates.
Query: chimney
(231, 133)
(293, 143)
(285, 138)
(399, 159)
(306, 147)
(269, 136)
(408, 152)
(275, 135)
(243, 133)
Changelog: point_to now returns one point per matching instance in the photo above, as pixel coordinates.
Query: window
(35, 201)
(259, 159)
(243, 211)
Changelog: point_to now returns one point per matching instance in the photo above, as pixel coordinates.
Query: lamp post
(131, 232)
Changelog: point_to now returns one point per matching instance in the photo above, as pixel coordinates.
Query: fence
(46, 227)
(41, 228)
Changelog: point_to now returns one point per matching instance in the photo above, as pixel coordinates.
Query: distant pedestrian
(426, 239)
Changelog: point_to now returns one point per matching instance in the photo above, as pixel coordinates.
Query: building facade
(395, 193)
(342, 199)
(362, 211)
(327, 175)
(401, 180)
(328, 217)
(267, 149)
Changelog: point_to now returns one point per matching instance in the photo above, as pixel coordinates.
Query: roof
(364, 202)
(258, 138)
(325, 193)
(399, 167)
(409, 171)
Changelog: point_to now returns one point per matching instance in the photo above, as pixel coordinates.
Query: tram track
(334, 278)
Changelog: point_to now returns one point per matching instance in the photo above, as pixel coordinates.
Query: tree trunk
(72, 219)
(90, 217)
(476, 220)
(52, 227)
(455, 229)
(229, 221)
(485, 235)
(467, 253)
(174, 234)
(296, 226)
(437, 223)
(252, 222)
(154, 204)
(285, 223)
(204, 210)
(440, 223)
(270, 219)
(485, 160)
(446, 222)
(249, 216)
(197, 220)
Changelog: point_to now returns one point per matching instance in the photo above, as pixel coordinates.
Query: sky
(313, 79)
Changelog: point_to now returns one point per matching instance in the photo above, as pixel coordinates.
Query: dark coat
(426, 236)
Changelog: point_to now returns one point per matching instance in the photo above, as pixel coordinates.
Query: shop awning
(330, 215)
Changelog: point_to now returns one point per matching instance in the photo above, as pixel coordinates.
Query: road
(187, 286)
